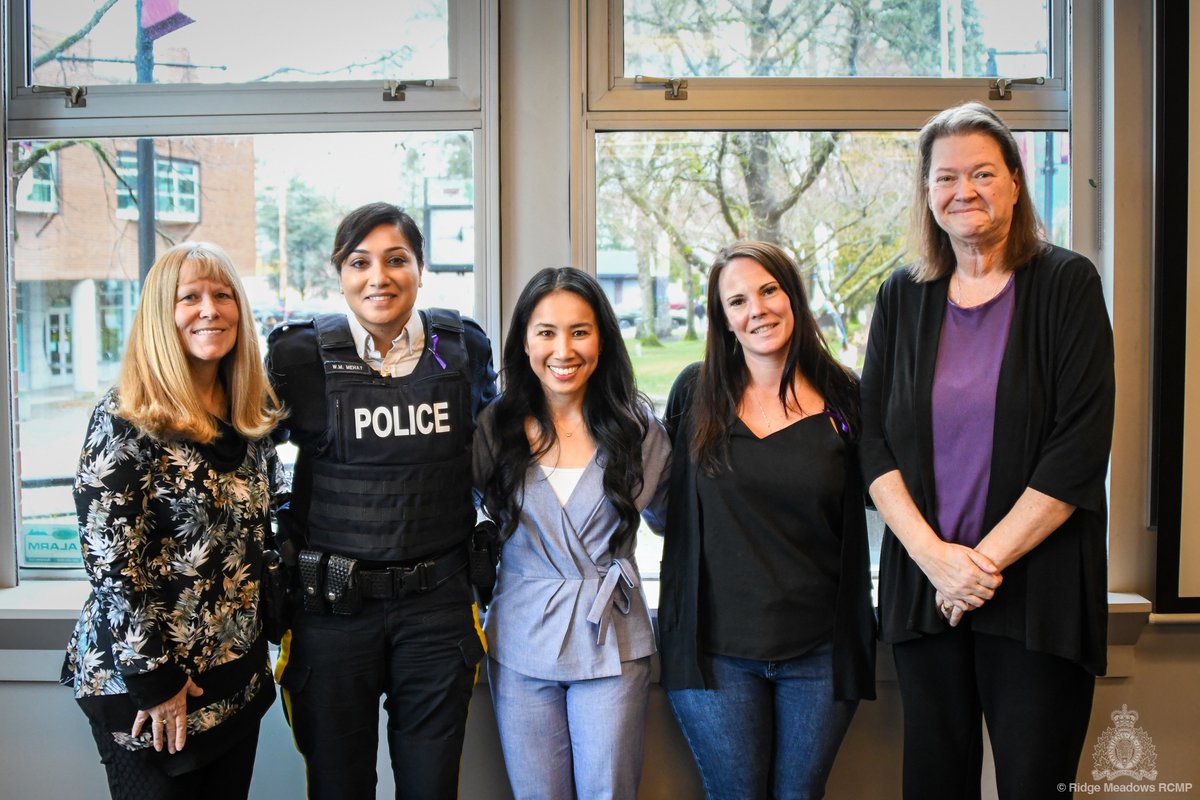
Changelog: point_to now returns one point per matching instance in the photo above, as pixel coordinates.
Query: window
(667, 201)
(794, 123)
(116, 302)
(229, 41)
(836, 58)
(176, 188)
(807, 39)
(37, 184)
(260, 143)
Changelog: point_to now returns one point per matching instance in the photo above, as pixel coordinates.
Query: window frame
(608, 89)
(463, 91)
(613, 103)
(467, 101)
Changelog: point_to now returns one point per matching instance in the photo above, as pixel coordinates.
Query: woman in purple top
(987, 407)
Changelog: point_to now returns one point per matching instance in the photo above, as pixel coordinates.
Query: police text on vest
(385, 421)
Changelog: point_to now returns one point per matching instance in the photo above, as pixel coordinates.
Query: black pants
(421, 652)
(138, 774)
(1036, 706)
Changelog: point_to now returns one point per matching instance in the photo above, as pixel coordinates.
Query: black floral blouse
(172, 535)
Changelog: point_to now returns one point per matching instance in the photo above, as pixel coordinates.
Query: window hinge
(76, 95)
(394, 90)
(676, 87)
(1001, 88)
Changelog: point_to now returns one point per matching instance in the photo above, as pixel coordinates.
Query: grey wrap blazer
(565, 607)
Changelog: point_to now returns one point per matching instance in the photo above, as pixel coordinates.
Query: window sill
(1128, 615)
(43, 600)
(35, 623)
(59, 601)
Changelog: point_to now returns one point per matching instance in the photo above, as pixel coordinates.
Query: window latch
(1001, 88)
(676, 87)
(76, 95)
(393, 91)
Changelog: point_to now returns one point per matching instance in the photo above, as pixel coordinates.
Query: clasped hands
(964, 578)
(168, 719)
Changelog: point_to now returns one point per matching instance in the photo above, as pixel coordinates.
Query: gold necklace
(572, 432)
(763, 412)
(961, 301)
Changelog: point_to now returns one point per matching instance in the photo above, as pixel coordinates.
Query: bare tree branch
(722, 197)
(868, 281)
(392, 55)
(822, 150)
(21, 166)
(655, 212)
(57, 50)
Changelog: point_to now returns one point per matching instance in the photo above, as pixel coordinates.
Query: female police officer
(382, 406)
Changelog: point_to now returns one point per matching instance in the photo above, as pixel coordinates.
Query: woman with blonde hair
(159, 378)
(174, 494)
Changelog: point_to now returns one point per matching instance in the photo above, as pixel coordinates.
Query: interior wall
(535, 143)
(1126, 242)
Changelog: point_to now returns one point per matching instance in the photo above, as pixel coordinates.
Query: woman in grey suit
(567, 459)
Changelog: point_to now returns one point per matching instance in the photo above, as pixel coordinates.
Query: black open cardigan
(678, 609)
(1053, 432)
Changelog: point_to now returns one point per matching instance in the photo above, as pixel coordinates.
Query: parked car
(629, 316)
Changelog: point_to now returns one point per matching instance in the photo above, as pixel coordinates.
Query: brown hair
(933, 256)
(723, 374)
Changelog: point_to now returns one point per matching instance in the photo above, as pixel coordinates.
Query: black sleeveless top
(772, 542)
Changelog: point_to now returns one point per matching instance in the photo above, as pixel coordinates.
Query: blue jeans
(568, 739)
(765, 728)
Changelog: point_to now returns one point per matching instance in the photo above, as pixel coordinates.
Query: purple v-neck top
(965, 380)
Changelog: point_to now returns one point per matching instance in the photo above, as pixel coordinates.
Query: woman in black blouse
(766, 610)
(173, 493)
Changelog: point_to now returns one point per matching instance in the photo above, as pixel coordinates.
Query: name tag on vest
(412, 420)
(338, 367)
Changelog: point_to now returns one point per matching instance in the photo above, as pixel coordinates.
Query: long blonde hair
(156, 390)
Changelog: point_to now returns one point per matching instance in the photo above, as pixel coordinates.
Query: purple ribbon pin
(433, 340)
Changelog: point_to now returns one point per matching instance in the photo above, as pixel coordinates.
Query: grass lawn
(657, 367)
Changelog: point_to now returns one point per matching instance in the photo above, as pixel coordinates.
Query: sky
(251, 38)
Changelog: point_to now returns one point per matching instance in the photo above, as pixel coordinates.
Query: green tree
(310, 219)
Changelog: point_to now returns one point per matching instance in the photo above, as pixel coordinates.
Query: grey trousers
(567, 739)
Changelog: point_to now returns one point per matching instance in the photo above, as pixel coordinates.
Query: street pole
(144, 66)
(281, 193)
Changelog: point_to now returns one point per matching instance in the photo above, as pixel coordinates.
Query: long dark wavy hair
(613, 410)
(723, 374)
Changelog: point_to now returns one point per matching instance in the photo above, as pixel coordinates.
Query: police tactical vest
(394, 482)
